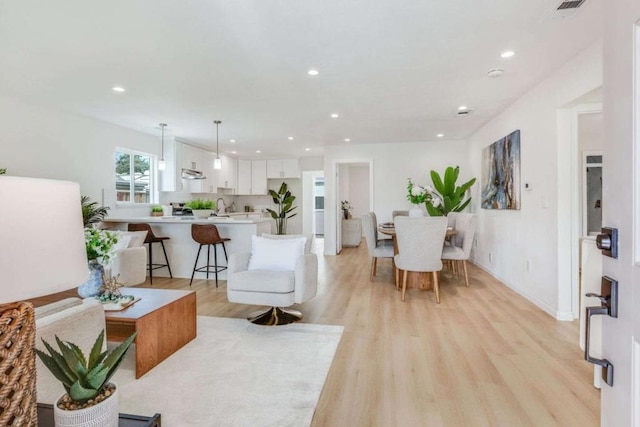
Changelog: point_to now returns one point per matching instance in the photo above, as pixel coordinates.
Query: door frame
(337, 211)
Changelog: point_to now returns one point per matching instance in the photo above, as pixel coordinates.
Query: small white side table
(351, 232)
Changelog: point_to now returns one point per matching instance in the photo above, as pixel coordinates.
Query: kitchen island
(182, 249)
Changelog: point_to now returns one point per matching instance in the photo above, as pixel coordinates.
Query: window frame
(153, 178)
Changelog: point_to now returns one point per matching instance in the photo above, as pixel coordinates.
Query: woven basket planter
(17, 365)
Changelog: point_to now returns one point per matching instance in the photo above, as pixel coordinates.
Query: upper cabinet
(287, 168)
(252, 177)
(228, 175)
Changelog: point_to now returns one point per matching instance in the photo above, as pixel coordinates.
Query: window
(135, 181)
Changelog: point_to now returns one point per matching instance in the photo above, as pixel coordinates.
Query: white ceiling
(394, 70)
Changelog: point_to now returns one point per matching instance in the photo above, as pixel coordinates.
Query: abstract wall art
(501, 173)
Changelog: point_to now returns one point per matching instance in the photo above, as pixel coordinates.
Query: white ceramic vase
(104, 414)
(202, 213)
(416, 211)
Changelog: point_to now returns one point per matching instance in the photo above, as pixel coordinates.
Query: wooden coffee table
(164, 319)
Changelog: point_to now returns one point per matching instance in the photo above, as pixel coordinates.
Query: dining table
(415, 279)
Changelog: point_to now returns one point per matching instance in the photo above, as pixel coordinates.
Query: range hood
(192, 174)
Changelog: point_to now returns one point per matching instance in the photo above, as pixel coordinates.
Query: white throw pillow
(123, 240)
(275, 254)
(307, 245)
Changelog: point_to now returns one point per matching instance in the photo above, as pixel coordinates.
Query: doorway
(591, 193)
(354, 185)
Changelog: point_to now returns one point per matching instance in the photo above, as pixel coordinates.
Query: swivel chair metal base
(275, 316)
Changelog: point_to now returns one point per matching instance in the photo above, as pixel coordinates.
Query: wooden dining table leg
(436, 286)
(466, 276)
(404, 283)
(397, 277)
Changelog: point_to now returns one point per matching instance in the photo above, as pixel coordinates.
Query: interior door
(621, 209)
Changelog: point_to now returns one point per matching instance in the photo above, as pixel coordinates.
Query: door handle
(608, 307)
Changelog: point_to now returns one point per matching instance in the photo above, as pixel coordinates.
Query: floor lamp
(42, 251)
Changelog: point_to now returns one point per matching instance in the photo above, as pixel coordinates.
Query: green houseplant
(156, 210)
(91, 212)
(284, 201)
(201, 208)
(3, 171)
(449, 197)
(86, 380)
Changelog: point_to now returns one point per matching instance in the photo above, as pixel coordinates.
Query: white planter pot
(415, 212)
(202, 213)
(104, 414)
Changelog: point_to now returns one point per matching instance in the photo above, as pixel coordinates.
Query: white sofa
(74, 320)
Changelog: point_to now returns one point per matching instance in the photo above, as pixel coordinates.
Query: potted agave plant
(89, 397)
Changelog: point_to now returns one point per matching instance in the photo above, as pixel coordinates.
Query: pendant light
(217, 163)
(161, 163)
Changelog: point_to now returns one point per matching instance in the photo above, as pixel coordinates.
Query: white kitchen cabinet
(170, 179)
(252, 177)
(258, 177)
(285, 168)
(228, 175)
(204, 160)
(244, 177)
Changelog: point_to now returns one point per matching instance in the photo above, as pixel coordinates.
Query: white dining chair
(462, 242)
(420, 243)
(377, 248)
(399, 213)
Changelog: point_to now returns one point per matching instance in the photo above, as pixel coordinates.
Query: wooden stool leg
(466, 276)
(375, 265)
(436, 286)
(404, 283)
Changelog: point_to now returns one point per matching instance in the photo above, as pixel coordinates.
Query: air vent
(463, 113)
(570, 4)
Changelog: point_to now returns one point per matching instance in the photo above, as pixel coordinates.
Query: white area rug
(235, 373)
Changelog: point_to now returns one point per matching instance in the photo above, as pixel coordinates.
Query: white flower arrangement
(100, 245)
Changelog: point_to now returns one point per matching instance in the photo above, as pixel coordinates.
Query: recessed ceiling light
(232, 140)
(507, 54)
(258, 151)
(118, 89)
(347, 140)
(234, 152)
(307, 149)
(335, 115)
(462, 108)
(313, 72)
(440, 135)
(290, 138)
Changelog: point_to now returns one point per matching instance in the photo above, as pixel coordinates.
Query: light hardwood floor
(483, 357)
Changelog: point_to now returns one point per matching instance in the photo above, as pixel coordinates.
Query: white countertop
(179, 220)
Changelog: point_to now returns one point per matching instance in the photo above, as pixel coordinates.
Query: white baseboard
(552, 311)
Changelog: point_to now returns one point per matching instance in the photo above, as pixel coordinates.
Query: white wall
(591, 132)
(393, 164)
(513, 239)
(42, 142)
(358, 195)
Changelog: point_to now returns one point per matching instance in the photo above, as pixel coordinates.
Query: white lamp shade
(42, 249)
(217, 163)
(162, 165)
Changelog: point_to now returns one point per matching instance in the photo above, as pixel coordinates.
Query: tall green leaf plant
(451, 197)
(284, 201)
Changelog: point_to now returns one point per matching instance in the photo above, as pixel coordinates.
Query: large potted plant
(451, 198)
(90, 397)
(201, 208)
(91, 212)
(284, 201)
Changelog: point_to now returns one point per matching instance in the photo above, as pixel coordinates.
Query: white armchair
(276, 287)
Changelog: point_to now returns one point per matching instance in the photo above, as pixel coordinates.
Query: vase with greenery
(346, 208)
(451, 198)
(100, 246)
(283, 199)
(91, 212)
(418, 195)
(89, 394)
(201, 208)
